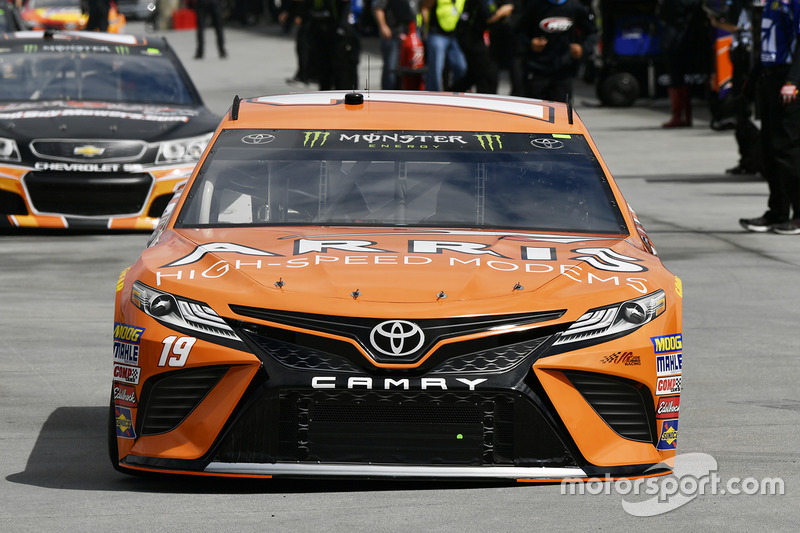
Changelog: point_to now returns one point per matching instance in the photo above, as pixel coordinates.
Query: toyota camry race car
(96, 130)
(404, 285)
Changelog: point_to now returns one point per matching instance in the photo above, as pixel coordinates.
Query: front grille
(433, 331)
(168, 399)
(301, 357)
(89, 194)
(495, 360)
(86, 151)
(621, 403)
(393, 427)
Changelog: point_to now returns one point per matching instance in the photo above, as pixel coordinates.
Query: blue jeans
(443, 49)
(390, 49)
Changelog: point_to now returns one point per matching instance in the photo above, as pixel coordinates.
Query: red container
(184, 19)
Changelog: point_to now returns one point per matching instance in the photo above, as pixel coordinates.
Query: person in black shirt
(555, 35)
(213, 9)
(335, 45)
(482, 69)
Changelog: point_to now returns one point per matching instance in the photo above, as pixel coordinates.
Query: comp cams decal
(669, 385)
(127, 374)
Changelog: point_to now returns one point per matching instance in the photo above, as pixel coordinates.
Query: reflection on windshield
(464, 189)
(108, 78)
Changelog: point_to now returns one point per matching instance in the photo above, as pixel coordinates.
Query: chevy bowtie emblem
(88, 151)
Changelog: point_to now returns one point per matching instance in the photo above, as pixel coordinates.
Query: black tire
(620, 89)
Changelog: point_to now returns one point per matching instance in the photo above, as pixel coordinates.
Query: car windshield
(452, 179)
(112, 75)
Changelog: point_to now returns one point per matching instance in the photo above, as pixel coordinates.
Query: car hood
(60, 119)
(365, 272)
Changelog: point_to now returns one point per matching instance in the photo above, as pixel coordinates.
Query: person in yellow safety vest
(440, 18)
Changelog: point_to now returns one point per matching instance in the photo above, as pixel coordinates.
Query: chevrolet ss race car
(66, 15)
(397, 285)
(96, 130)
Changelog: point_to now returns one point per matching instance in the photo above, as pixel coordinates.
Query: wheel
(620, 89)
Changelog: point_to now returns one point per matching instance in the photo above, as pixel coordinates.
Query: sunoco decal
(668, 436)
(124, 421)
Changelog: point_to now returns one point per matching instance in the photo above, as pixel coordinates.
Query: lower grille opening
(394, 428)
(625, 405)
(12, 204)
(168, 400)
(95, 194)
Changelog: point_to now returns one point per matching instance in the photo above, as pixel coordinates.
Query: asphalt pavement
(740, 403)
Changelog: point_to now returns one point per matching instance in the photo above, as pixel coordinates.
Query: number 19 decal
(176, 350)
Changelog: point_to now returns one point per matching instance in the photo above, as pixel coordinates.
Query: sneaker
(740, 170)
(791, 227)
(758, 225)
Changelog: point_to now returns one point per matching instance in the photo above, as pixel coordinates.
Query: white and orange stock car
(400, 285)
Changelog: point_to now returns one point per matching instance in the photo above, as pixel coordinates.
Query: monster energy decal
(489, 141)
(312, 137)
(362, 140)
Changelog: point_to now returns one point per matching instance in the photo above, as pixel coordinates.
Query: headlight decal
(183, 315)
(606, 323)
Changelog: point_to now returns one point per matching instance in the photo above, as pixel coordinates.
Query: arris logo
(396, 338)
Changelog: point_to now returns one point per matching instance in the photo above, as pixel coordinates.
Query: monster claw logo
(31, 48)
(487, 141)
(122, 50)
(313, 136)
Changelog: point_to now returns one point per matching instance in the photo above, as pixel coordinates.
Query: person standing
(680, 42)
(213, 9)
(737, 20)
(555, 35)
(393, 18)
(335, 46)
(482, 70)
(98, 15)
(776, 94)
(442, 50)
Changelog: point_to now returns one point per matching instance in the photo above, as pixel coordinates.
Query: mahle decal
(313, 136)
(488, 141)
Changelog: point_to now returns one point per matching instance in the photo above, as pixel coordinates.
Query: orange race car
(400, 285)
(65, 15)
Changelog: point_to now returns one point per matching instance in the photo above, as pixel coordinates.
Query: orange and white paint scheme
(398, 285)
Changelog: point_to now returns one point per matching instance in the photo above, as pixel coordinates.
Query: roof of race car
(113, 39)
(405, 111)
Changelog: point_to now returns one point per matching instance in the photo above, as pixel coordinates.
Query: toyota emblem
(258, 138)
(397, 338)
(547, 144)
